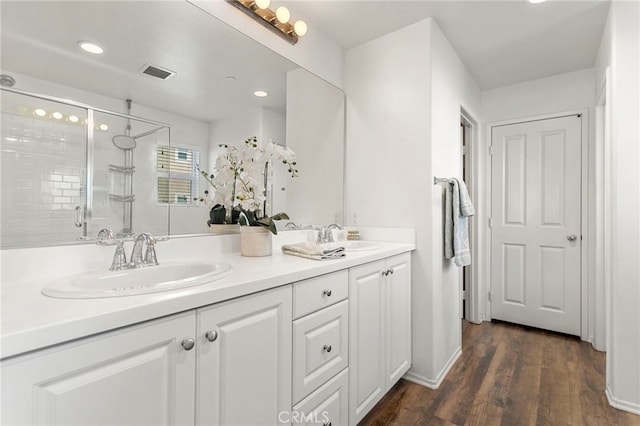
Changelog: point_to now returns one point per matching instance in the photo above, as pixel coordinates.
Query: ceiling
(500, 42)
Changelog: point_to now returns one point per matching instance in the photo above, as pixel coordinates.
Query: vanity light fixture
(90, 47)
(277, 21)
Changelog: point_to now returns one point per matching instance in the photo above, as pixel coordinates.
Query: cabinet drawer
(317, 293)
(327, 405)
(320, 348)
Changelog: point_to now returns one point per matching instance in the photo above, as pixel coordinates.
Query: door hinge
(489, 296)
(490, 222)
(464, 294)
(490, 149)
(465, 150)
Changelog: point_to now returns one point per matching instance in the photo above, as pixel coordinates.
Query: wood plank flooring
(509, 375)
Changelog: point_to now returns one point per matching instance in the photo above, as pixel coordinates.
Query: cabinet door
(244, 360)
(137, 375)
(398, 300)
(326, 406)
(366, 338)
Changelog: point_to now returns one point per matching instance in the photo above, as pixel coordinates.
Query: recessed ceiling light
(40, 112)
(73, 119)
(57, 115)
(260, 93)
(90, 47)
(103, 127)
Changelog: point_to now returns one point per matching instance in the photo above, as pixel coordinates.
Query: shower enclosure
(70, 170)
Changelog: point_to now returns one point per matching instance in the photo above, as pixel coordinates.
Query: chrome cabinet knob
(211, 335)
(326, 292)
(326, 348)
(572, 237)
(391, 271)
(188, 344)
(385, 273)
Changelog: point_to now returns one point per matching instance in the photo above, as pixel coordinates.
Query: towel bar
(437, 180)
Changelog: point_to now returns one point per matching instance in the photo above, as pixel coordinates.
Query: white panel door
(536, 210)
(244, 360)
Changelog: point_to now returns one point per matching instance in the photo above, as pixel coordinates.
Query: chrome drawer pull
(188, 344)
(327, 348)
(326, 292)
(211, 335)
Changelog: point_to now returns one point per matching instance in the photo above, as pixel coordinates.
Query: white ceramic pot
(255, 241)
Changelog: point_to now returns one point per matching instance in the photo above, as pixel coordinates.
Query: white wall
(538, 97)
(404, 93)
(315, 132)
(619, 51)
(315, 51)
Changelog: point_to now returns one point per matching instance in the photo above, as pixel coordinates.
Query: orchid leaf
(268, 223)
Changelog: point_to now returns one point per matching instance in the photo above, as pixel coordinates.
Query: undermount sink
(128, 282)
(358, 245)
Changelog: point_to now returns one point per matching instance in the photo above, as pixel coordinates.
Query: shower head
(125, 141)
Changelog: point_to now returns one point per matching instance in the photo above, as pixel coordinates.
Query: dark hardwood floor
(509, 375)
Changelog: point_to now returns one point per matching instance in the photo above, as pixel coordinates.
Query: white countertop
(32, 321)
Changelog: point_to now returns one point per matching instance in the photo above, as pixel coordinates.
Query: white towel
(458, 208)
(314, 251)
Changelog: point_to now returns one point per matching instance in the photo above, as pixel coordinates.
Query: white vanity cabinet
(142, 374)
(244, 360)
(321, 350)
(379, 330)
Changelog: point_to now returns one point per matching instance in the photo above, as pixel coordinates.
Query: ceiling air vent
(156, 71)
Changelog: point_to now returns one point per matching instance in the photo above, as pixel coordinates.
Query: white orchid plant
(240, 180)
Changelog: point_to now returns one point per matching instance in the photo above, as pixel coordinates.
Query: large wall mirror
(191, 80)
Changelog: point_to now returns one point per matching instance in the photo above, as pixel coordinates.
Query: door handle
(572, 237)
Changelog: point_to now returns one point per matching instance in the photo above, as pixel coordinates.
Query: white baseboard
(431, 383)
(631, 407)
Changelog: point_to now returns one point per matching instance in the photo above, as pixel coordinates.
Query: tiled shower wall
(43, 170)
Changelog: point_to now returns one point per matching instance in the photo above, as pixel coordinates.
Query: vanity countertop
(33, 321)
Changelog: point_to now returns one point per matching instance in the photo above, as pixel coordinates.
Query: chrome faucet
(325, 235)
(137, 260)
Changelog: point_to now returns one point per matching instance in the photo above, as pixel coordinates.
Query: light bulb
(73, 119)
(260, 93)
(40, 112)
(282, 14)
(57, 115)
(263, 4)
(103, 127)
(300, 27)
